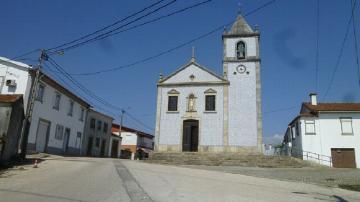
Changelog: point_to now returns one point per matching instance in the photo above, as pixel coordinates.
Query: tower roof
(240, 26)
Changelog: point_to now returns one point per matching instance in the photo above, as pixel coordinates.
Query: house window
(92, 123)
(346, 126)
(59, 132)
(82, 112)
(99, 123)
(210, 102)
(71, 108)
(97, 142)
(240, 50)
(297, 129)
(191, 103)
(57, 101)
(310, 127)
(105, 129)
(172, 103)
(40, 92)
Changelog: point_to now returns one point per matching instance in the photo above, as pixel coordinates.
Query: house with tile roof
(325, 133)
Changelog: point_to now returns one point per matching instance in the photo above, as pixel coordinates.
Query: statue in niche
(191, 103)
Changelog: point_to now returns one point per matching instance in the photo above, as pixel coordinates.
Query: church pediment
(192, 73)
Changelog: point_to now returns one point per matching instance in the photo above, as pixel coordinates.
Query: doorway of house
(114, 149)
(66, 140)
(102, 150)
(89, 146)
(42, 135)
(190, 135)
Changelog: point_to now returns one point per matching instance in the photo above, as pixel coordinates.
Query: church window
(172, 103)
(240, 50)
(191, 103)
(210, 102)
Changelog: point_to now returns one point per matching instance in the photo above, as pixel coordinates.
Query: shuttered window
(210, 103)
(172, 103)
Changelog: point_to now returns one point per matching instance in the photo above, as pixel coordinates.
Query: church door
(190, 135)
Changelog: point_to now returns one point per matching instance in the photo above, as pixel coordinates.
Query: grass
(352, 187)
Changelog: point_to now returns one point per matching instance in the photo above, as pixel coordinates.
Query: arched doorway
(190, 135)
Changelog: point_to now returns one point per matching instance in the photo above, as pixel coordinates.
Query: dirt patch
(352, 187)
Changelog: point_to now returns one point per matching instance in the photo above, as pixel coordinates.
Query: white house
(134, 143)
(98, 138)
(326, 133)
(198, 110)
(58, 117)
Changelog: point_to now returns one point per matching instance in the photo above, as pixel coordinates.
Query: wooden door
(102, 150)
(42, 135)
(190, 135)
(343, 157)
(66, 140)
(114, 148)
(89, 146)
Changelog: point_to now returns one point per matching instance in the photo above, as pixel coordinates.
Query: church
(200, 111)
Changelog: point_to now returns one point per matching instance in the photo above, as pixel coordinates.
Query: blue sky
(288, 49)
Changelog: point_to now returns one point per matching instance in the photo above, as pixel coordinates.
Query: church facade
(200, 111)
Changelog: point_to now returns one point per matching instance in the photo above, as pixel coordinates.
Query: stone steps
(226, 159)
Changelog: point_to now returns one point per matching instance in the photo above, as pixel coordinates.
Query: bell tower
(241, 66)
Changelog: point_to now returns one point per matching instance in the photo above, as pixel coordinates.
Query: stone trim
(247, 59)
(158, 118)
(210, 91)
(226, 114)
(187, 65)
(211, 149)
(173, 91)
(244, 35)
(258, 99)
(208, 83)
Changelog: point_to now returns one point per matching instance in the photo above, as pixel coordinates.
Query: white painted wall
(45, 111)
(128, 138)
(230, 44)
(210, 124)
(242, 106)
(11, 70)
(184, 75)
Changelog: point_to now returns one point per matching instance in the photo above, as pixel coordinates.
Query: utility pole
(121, 121)
(30, 105)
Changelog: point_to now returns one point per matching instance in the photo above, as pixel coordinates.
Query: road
(96, 179)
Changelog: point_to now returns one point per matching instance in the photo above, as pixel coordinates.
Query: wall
(128, 138)
(19, 73)
(95, 133)
(243, 109)
(44, 110)
(328, 135)
(210, 123)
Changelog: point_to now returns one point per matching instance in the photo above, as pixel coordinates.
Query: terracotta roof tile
(10, 98)
(333, 107)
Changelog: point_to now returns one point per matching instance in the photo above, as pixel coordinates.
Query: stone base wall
(211, 149)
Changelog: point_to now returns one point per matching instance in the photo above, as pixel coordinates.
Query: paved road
(93, 179)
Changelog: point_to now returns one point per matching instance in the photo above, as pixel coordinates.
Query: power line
(139, 122)
(341, 51)
(281, 109)
(174, 48)
(113, 30)
(108, 26)
(82, 87)
(356, 46)
(145, 23)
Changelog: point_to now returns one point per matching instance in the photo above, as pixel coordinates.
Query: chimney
(313, 98)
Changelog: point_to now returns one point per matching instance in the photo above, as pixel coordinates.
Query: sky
(288, 49)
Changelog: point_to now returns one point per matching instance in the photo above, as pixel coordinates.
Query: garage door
(343, 157)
